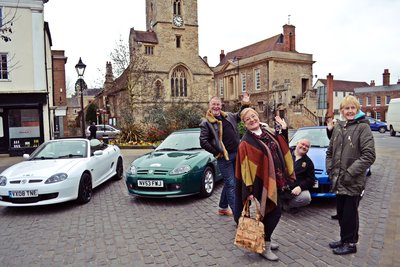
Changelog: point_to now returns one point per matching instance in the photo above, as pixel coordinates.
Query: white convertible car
(58, 171)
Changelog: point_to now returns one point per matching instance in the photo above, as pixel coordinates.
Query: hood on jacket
(360, 115)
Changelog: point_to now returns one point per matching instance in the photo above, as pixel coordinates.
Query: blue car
(377, 125)
(317, 153)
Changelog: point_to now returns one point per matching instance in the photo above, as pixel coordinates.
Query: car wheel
(392, 132)
(382, 130)
(207, 183)
(120, 170)
(85, 189)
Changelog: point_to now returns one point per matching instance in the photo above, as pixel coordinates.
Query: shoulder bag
(250, 231)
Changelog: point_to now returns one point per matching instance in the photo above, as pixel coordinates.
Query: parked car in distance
(377, 125)
(105, 132)
(60, 170)
(393, 116)
(317, 153)
(177, 167)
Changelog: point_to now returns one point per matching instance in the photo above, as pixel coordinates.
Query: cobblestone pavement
(115, 229)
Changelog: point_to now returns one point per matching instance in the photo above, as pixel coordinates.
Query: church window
(178, 41)
(177, 7)
(149, 50)
(179, 83)
(158, 88)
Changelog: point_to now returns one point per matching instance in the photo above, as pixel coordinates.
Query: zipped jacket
(351, 151)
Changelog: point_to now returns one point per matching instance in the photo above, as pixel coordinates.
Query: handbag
(250, 231)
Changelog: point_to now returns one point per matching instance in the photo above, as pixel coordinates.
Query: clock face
(178, 21)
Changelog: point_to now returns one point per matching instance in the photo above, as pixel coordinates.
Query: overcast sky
(354, 40)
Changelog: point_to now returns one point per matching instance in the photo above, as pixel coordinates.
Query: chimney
(329, 84)
(205, 58)
(289, 38)
(372, 83)
(386, 77)
(109, 73)
(221, 56)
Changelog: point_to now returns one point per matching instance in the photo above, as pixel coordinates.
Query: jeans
(227, 168)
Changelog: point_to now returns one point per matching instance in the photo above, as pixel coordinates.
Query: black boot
(347, 248)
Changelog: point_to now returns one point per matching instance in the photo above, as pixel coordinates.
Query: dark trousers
(270, 221)
(347, 211)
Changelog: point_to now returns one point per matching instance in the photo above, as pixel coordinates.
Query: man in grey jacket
(351, 151)
(219, 135)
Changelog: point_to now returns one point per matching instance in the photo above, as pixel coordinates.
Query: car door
(100, 163)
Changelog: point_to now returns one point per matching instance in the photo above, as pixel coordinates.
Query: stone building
(374, 99)
(278, 78)
(165, 67)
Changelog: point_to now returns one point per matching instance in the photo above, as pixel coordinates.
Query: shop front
(21, 124)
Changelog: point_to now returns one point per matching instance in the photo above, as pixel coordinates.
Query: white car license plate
(150, 183)
(316, 184)
(23, 193)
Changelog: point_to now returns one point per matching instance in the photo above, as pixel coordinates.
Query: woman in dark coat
(351, 151)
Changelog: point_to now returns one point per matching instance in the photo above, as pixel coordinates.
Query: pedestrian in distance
(220, 136)
(264, 167)
(305, 178)
(92, 130)
(351, 151)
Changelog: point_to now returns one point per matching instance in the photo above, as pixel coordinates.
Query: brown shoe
(225, 212)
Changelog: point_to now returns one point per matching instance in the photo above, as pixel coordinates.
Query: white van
(393, 116)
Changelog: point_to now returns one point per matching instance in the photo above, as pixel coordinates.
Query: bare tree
(6, 24)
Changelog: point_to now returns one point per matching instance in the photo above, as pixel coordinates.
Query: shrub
(153, 134)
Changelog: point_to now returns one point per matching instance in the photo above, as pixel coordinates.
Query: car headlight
(132, 170)
(59, 177)
(180, 170)
(3, 180)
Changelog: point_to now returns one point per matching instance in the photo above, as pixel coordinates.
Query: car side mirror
(25, 156)
(98, 153)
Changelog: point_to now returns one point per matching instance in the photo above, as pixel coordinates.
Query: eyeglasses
(251, 117)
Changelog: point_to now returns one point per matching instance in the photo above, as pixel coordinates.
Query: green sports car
(177, 167)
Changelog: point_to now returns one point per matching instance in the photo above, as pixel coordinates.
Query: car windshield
(180, 141)
(61, 149)
(316, 136)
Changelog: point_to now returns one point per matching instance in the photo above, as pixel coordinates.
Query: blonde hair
(247, 110)
(348, 100)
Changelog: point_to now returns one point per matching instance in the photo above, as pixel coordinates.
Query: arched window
(179, 83)
(177, 7)
(158, 89)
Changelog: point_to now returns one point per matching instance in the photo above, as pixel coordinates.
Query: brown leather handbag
(250, 231)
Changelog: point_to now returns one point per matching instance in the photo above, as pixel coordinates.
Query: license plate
(150, 183)
(316, 184)
(23, 193)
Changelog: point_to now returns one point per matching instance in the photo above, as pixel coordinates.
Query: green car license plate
(150, 183)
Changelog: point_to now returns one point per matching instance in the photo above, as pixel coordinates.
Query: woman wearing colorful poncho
(264, 167)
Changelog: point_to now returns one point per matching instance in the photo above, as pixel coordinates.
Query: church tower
(170, 46)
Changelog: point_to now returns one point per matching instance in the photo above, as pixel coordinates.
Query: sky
(353, 40)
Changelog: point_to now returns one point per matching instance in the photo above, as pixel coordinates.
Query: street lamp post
(80, 70)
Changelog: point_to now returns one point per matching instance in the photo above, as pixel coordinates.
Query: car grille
(31, 181)
(318, 171)
(165, 188)
(152, 172)
(322, 188)
(26, 200)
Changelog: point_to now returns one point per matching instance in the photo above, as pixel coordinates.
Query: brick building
(374, 99)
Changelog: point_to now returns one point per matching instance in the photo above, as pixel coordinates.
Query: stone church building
(172, 72)
(278, 77)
